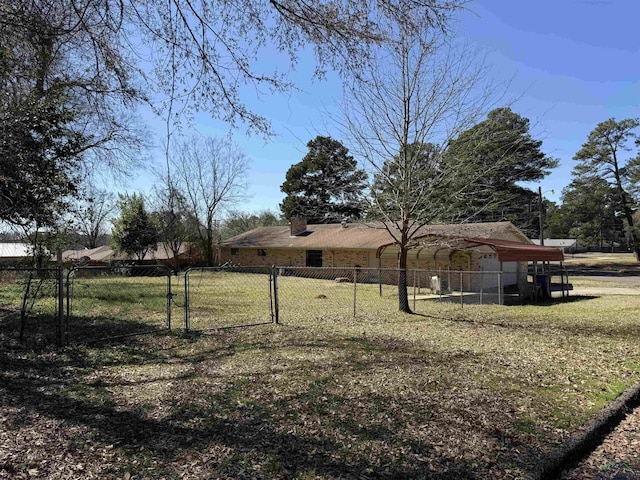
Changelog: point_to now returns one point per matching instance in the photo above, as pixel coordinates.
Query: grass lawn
(578, 281)
(604, 261)
(479, 392)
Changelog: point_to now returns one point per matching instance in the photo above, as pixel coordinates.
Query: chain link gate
(106, 303)
(227, 297)
(30, 305)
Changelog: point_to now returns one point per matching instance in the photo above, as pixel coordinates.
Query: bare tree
(188, 53)
(422, 90)
(93, 62)
(175, 220)
(91, 214)
(211, 174)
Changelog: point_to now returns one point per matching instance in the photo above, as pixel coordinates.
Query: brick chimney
(298, 225)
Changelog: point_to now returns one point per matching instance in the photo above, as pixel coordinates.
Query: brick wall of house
(250, 257)
(456, 261)
(346, 258)
(296, 257)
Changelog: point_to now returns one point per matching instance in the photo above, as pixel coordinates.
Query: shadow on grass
(550, 302)
(42, 331)
(101, 329)
(328, 434)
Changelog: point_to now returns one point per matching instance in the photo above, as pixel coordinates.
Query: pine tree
(326, 186)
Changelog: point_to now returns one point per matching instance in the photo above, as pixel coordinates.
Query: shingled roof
(362, 236)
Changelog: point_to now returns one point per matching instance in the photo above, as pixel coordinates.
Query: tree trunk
(624, 200)
(635, 241)
(403, 297)
(24, 307)
(209, 249)
(208, 243)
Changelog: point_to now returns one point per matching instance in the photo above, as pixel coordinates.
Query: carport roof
(509, 251)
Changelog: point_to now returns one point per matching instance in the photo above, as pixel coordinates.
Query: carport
(522, 259)
(538, 260)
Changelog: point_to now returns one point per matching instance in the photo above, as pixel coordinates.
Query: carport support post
(500, 289)
(461, 290)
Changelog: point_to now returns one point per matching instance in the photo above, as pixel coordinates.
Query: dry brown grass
(479, 392)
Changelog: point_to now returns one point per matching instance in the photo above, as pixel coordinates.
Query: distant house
(498, 246)
(102, 255)
(14, 252)
(568, 245)
(105, 255)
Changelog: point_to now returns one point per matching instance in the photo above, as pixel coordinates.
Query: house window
(314, 258)
(262, 252)
(235, 251)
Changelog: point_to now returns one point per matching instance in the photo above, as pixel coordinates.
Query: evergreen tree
(326, 186)
(134, 231)
(38, 160)
(502, 151)
(601, 156)
(589, 212)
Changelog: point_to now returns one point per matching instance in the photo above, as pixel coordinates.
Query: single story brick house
(496, 246)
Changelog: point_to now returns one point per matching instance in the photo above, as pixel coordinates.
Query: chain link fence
(110, 302)
(353, 291)
(228, 297)
(30, 306)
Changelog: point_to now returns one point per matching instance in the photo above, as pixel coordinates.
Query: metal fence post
(276, 301)
(355, 288)
(461, 290)
(271, 313)
(169, 299)
(60, 312)
(69, 297)
(186, 301)
(414, 289)
(500, 290)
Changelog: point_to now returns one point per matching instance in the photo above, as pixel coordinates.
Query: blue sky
(571, 64)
